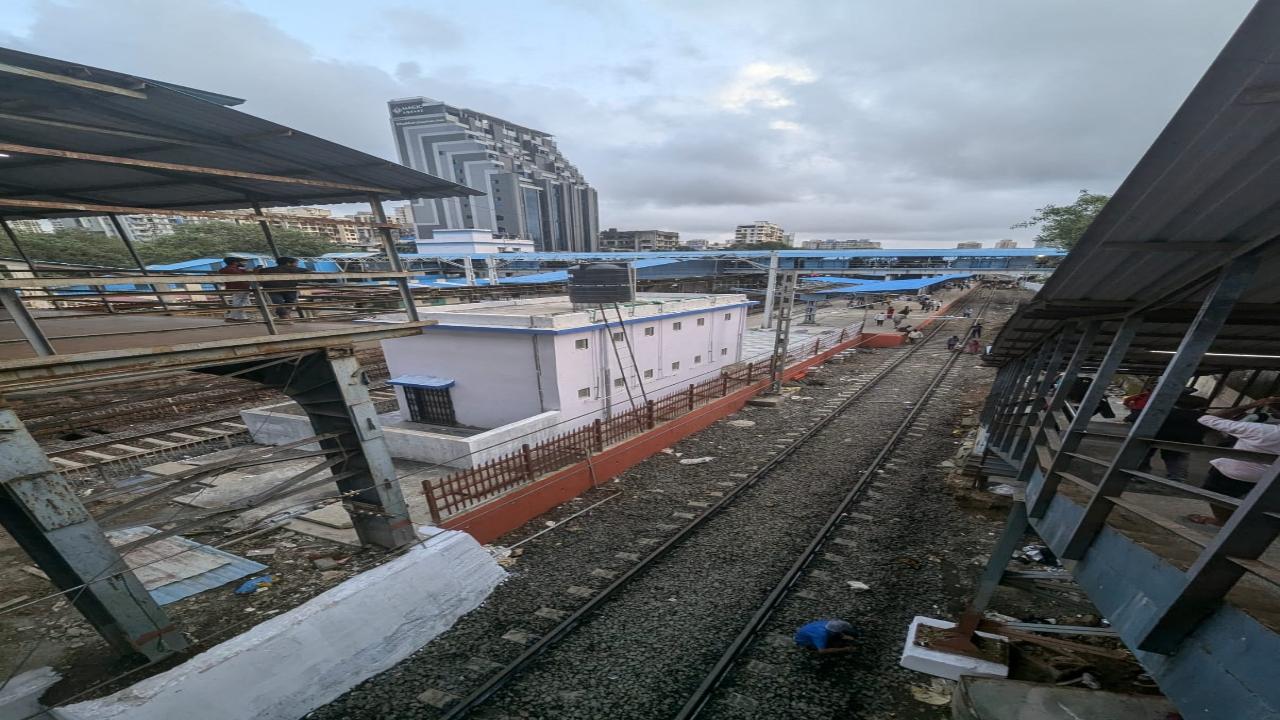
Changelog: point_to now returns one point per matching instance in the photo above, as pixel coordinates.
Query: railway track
(133, 450)
(631, 640)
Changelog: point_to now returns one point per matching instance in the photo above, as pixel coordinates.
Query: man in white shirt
(1229, 476)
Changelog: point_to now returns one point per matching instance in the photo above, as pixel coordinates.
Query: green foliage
(213, 239)
(1061, 226)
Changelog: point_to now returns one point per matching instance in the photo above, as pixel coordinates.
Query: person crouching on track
(826, 636)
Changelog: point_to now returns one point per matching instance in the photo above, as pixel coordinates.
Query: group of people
(282, 294)
(1249, 426)
(972, 341)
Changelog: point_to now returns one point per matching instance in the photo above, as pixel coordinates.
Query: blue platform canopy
(868, 287)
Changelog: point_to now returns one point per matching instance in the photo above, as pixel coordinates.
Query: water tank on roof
(602, 283)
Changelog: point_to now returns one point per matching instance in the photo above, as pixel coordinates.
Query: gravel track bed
(640, 514)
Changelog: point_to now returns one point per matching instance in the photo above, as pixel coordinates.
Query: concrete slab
(978, 698)
(949, 665)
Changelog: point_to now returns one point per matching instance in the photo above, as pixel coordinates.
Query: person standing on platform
(1229, 476)
(889, 312)
(240, 298)
(283, 293)
(826, 637)
(879, 318)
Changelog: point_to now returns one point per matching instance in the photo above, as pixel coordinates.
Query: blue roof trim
(581, 328)
(889, 285)
(430, 382)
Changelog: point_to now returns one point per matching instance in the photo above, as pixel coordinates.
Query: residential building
(530, 190)
(760, 231)
(841, 244)
(968, 245)
(470, 242)
(402, 215)
(639, 240)
(95, 223)
(698, 244)
(30, 227)
(1006, 244)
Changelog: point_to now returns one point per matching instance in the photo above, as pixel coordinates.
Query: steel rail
(721, 669)
(513, 669)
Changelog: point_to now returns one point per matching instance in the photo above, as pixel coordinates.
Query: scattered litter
(742, 423)
(1085, 678)
(696, 461)
(1039, 554)
(261, 552)
(946, 464)
(1000, 617)
(330, 575)
(857, 586)
(32, 570)
(324, 563)
(938, 692)
(667, 451)
(1002, 489)
(253, 585)
(801, 397)
(13, 601)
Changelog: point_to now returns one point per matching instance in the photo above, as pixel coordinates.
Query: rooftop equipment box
(602, 283)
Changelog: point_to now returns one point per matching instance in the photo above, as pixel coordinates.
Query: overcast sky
(918, 122)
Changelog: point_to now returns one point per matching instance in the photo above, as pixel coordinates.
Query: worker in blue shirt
(826, 636)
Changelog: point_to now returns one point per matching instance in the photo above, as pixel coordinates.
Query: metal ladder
(626, 361)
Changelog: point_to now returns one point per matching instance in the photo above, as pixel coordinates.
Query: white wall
(696, 347)
(299, 660)
(496, 379)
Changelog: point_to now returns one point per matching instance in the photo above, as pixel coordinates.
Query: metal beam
(393, 256)
(179, 167)
(74, 82)
(1088, 331)
(1001, 555)
(89, 207)
(126, 237)
(266, 231)
(1247, 534)
(43, 514)
(25, 323)
(1073, 435)
(1232, 281)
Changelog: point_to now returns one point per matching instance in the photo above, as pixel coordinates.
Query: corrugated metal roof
(872, 286)
(1204, 193)
(156, 121)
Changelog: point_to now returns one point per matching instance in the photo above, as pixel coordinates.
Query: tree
(212, 239)
(1061, 226)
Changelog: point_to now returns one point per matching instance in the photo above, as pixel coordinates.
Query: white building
(760, 231)
(470, 242)
(491, 376)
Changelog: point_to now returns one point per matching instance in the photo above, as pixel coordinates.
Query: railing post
(1072, 436)
(724, 385)
(264, 307)
(1088, 332)
(1243, 538)
(690, 396)
(751, 366)
(597, 434)
(432, 507)
(1024, 431)
(526, 459)
(649, 415)
(1231, 283)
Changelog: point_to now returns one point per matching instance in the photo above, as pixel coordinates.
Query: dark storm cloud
(914, 119)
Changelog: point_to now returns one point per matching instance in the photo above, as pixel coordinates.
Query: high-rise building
(760, 231)
(841, 244)
(530, 190)
(639, 240)
(1006, 243)
(31, 227)
(968, 245)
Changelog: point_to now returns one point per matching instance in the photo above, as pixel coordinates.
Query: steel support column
(770, 289)
(1001, 555)
(1074, 433)
(127, 238)
(1250, 530)
(43, 514)
(1088, 332)
(333, 390)
(25, 322)
(393, 257)
(1024, 431)
(1025, 397)
(1231, 283)
(1012, 395)
(266, 232)
(469, 271)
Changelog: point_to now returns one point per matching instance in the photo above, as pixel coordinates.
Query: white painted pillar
(770, 290)
(469, 270)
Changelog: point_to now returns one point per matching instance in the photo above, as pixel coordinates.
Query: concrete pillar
(770, 290)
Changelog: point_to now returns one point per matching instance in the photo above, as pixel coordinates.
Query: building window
(619, 336)
(430, 405)
(648, 331)
(702, 321)
(619, 382)
(648, 374)
(697, 359)
(580, 344)
(676, 325)
(675, 365)
(724, 351)
(584, 392)
(728, 316)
